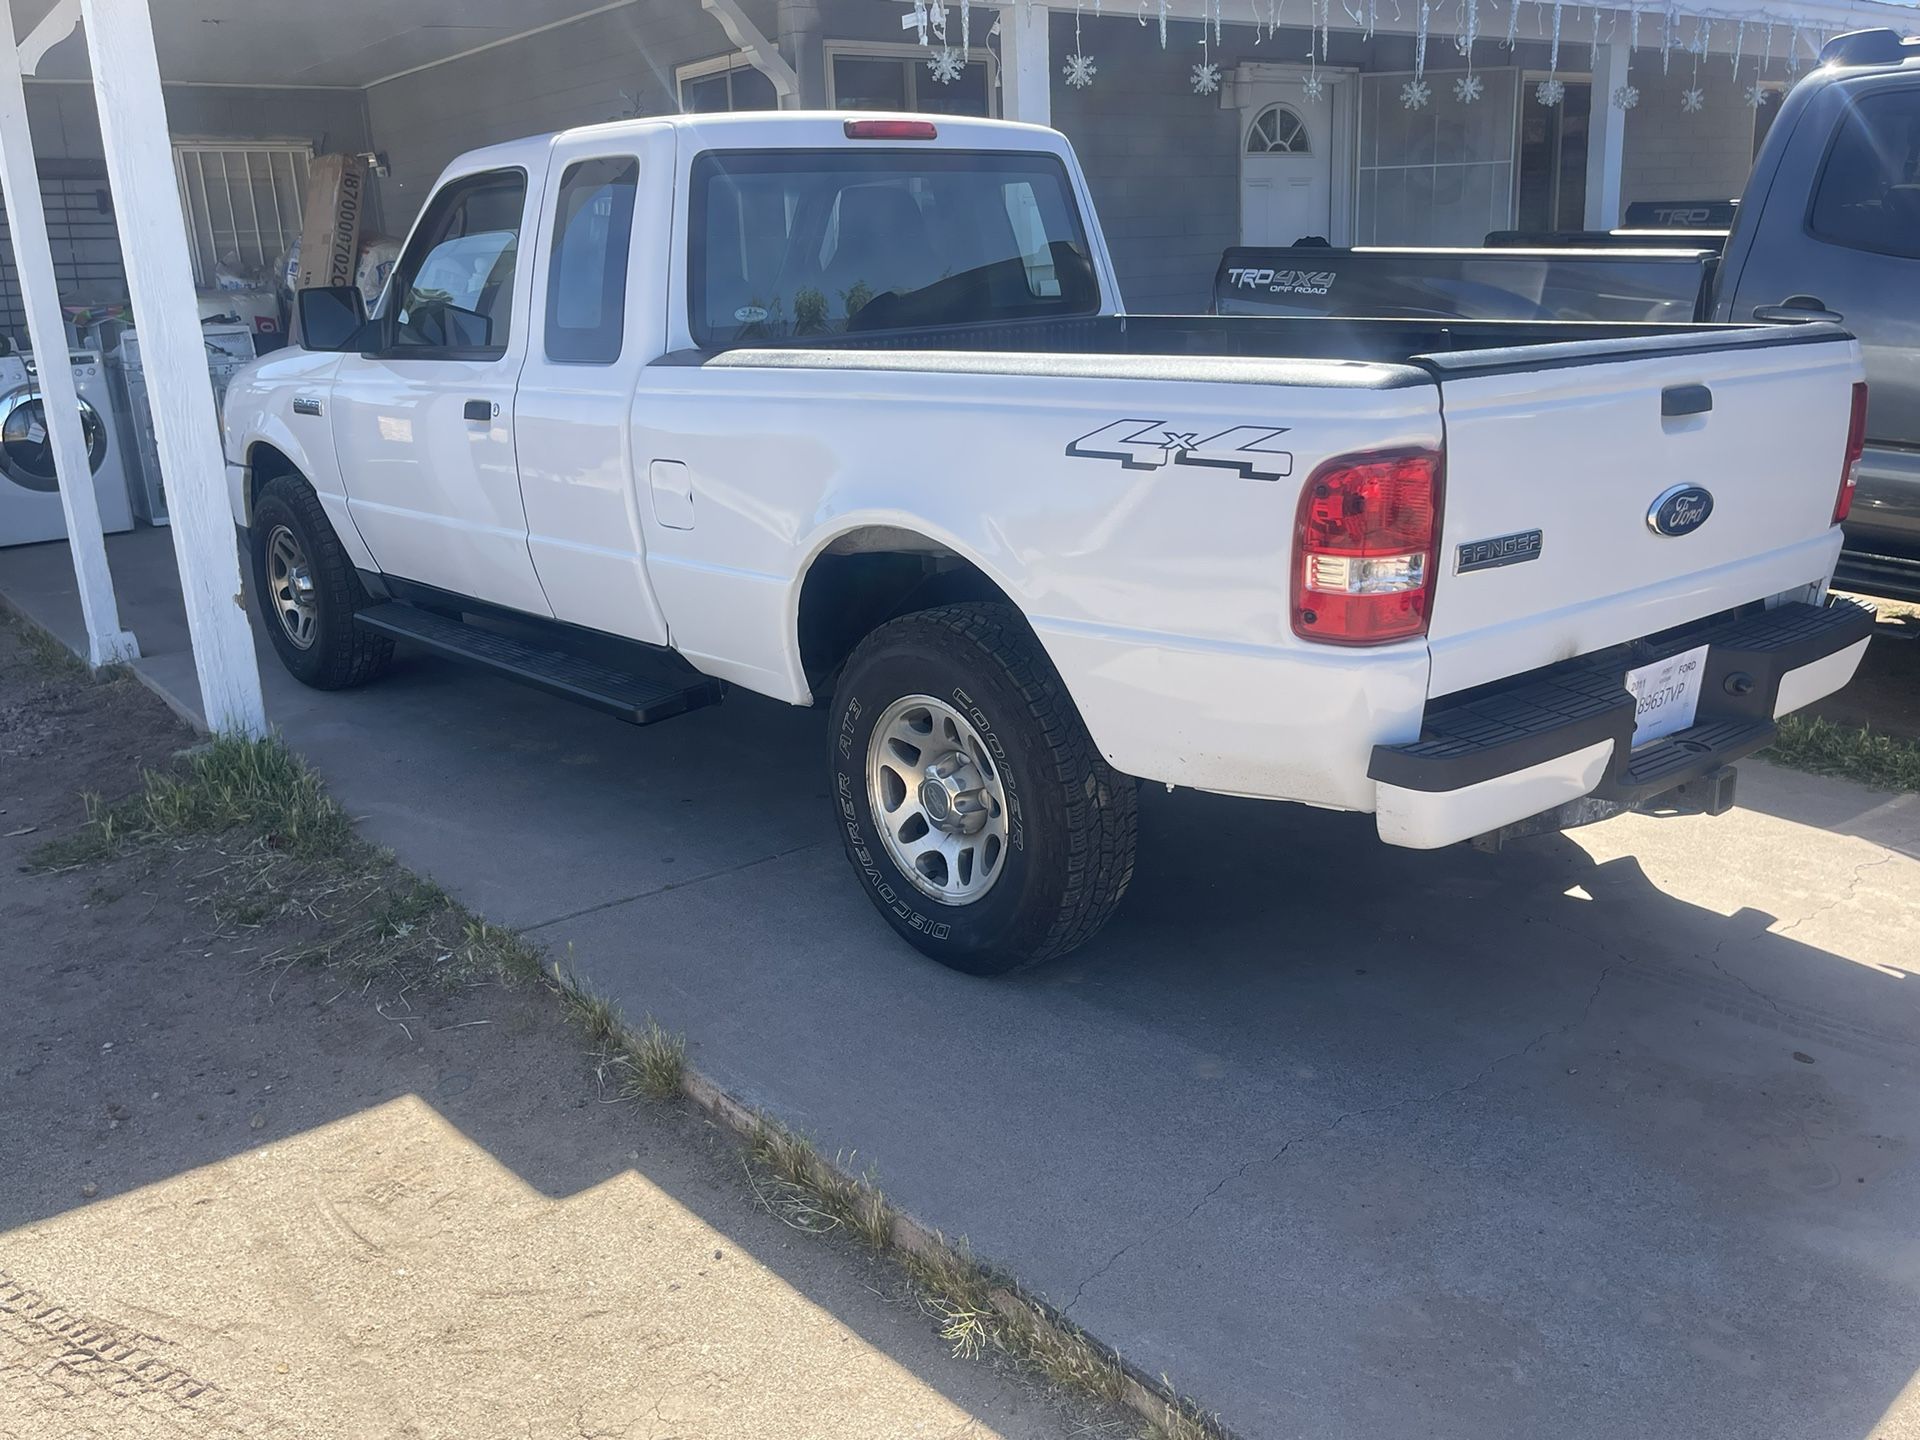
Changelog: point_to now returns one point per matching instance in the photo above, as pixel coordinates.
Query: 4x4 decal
(1151, 444)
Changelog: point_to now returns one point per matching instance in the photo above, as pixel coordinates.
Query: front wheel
(305, 585)
(984, 824)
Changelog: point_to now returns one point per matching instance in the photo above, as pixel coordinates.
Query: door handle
(1797, 310)
(481, 410)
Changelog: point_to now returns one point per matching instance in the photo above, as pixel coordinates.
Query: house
(170, 141)
(1296, 129)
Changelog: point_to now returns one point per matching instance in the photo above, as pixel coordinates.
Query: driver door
(423, 424)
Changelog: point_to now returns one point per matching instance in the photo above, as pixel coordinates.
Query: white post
(153, 244)
(40, 294)
(1606, 136)
(1026, 69)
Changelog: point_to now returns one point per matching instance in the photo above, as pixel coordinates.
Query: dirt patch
(253, 1195)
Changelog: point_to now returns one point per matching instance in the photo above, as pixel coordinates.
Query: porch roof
(347, 44)
(352, 44)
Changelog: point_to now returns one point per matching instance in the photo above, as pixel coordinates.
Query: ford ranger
(847, 409)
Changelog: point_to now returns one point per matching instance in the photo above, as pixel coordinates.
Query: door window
(455, 281)
(587, 272)
(1869, 193)
(1277, 130)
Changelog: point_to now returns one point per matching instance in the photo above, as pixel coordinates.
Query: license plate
(1666, 694)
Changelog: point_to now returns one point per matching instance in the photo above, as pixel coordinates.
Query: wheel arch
(864, 574)
(266, 462)
(269, 457)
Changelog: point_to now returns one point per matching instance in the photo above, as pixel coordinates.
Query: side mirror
(330, 317)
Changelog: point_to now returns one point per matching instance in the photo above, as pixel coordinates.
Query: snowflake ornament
(1625, 97)
(1550, 93)
(1468, 88)
(1313, 87)
(1756, 95)
(1206, 78)
(1079, 70)
(1694, 101)
(1415, 94)
(947, 65)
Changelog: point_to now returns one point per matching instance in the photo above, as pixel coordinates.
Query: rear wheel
(308, 592)
(984, 824)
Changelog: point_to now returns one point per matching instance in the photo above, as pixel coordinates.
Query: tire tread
(1102, 804)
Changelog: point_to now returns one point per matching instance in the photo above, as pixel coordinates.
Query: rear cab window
(587, 271)
(787, 245)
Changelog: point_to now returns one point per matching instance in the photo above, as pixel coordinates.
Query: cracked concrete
(1686, 1212)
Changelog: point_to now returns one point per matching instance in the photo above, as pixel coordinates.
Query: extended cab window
(454, 285)
(587, 273)
(1869, 193)
(789, 244)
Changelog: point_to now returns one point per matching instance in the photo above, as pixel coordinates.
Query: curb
(1154, 1402)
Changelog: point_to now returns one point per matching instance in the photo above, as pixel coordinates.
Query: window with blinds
(242, 203)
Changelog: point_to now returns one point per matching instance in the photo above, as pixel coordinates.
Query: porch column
(46, 327)
(803, 44)
(1606, 136)
(1026, 69)
(153, 243)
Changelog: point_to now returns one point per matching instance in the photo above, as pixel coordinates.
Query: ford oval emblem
(1680, 511)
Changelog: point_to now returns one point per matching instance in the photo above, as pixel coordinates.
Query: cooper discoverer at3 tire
(979, 817)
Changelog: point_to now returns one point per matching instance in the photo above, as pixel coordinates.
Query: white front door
(1288, 146)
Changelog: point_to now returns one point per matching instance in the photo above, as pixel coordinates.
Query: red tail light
(1856, 447)
(1363, 552)
(891, 130)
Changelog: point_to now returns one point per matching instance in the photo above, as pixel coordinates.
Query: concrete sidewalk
(1611, 1134)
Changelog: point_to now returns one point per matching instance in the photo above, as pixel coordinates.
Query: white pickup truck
(847, 408)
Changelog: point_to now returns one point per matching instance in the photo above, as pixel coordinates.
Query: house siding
(606, 67)
(1671, 155)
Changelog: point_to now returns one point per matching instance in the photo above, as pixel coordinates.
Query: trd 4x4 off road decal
(1150, 444)
(1282, 282)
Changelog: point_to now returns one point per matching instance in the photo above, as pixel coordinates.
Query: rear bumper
(1499, 756)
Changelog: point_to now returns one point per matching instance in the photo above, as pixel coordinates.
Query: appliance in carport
(229, 346)
(29, 489)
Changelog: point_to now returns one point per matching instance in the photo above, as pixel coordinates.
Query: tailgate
(1556, 457)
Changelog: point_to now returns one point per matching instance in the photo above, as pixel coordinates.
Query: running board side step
(658, 687)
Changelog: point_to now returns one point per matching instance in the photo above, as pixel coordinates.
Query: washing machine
(29, 492)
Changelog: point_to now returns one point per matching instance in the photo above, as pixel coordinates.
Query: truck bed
(1468, 345)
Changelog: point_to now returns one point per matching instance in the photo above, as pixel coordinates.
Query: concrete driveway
(1611, 1135)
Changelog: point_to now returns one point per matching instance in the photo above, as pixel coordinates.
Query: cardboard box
(330, 233)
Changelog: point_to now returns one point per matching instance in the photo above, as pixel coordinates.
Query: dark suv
(1829, 229)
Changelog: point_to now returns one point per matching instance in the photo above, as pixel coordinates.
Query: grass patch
(648, 1063)
(286, 862)
(48, 657)
(1849, 751)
